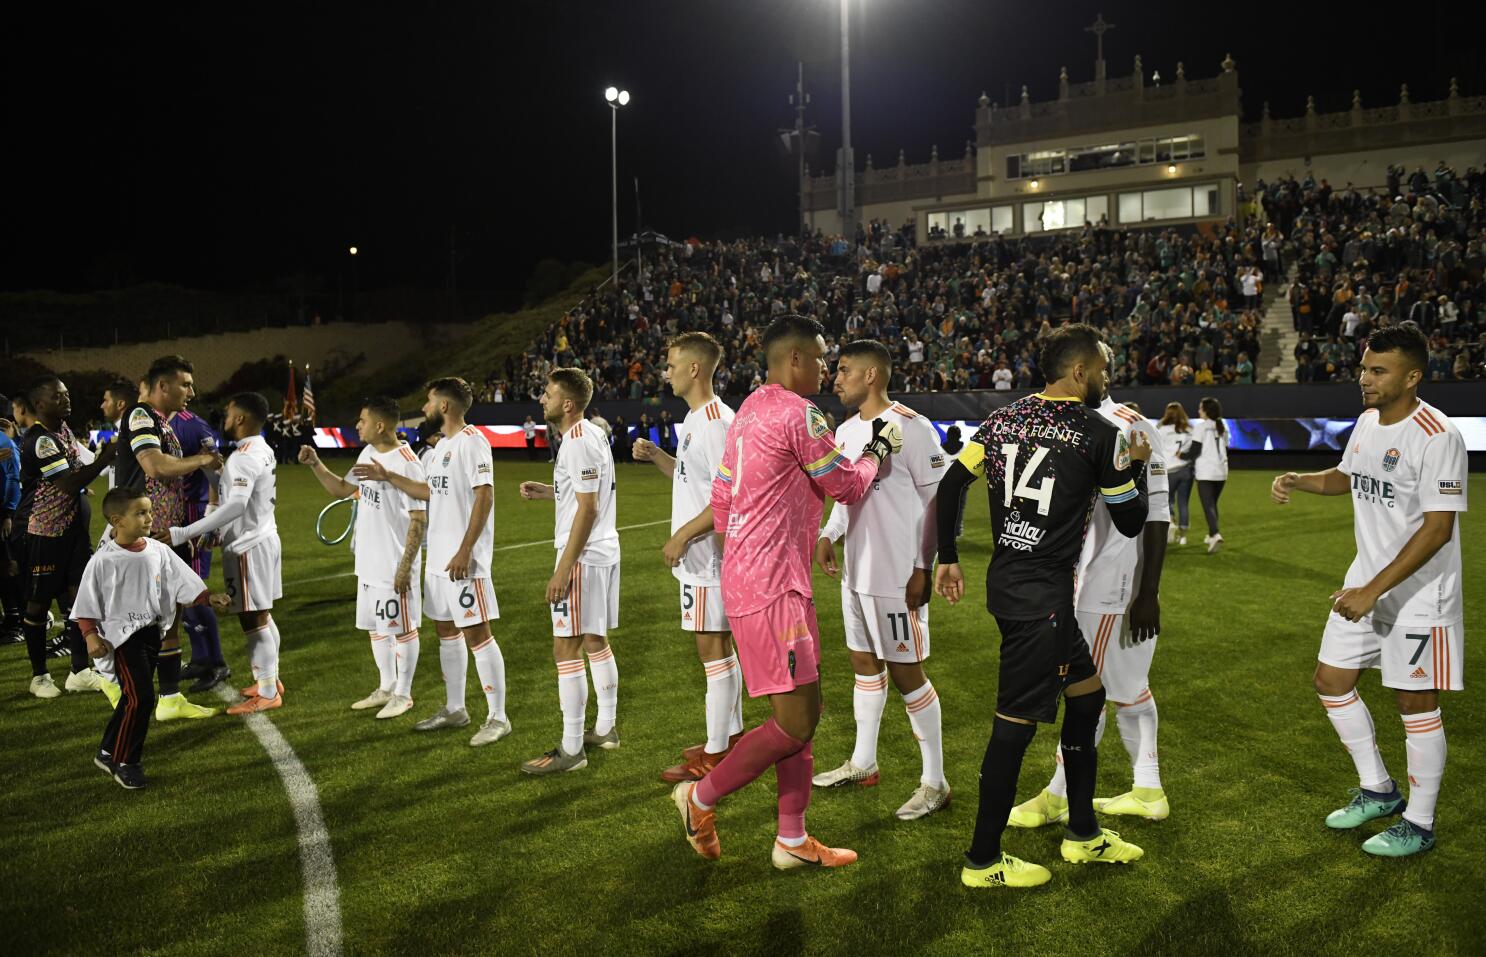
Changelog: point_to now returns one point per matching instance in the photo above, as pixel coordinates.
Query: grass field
(441, 848)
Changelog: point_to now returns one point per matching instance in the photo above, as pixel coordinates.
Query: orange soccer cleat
(258, 704)
(700, 826)
(693, 767)
(697, 750)
(251, 691)
(811, 854)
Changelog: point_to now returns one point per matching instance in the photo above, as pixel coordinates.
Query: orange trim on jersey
(1121, 412)
(1425, 413)
(407, 453)
(469, 430)
(713, 412)
(578, 431)
(904, 410)
(1429, 425)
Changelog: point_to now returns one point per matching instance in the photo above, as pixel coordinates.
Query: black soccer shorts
(56, 564)
(1039, 659)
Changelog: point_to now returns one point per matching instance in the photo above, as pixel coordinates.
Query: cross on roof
(1099, 28)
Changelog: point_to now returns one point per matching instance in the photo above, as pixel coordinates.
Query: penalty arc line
(322, 910)
(499, 548)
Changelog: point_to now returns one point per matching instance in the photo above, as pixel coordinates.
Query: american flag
(308, 399)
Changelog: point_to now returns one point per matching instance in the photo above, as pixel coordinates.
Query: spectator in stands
(529, 429)
(1001, 379)
(667, 432)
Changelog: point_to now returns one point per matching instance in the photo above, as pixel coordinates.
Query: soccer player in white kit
(891, 539)
(388, 548)
(584, 588)
(1119, 613)
(692, 551)
(1400, 607)
(457, 595)
(252, 559)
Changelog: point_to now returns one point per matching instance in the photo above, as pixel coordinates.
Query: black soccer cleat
(129, 776)
(104, 762)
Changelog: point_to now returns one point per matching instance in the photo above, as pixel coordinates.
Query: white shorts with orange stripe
(254, 579)
(1124, 666)
(702, 608)
(1413, 657)
(886, 627)
(382, 611)
(591, 606)
(467, 603)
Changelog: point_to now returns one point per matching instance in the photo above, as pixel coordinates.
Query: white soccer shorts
(1412, 657)
(467, 603)
(702, 608)
(1124, 665)
(254, 579)
(591, 606)
(885, 627)
(382, 611)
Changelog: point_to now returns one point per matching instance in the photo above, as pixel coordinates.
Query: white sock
(605, 688)
(790, 841)
(278, 648)
(868, 701)
(1138, 731)
(924, 717)
(1058, 786)
(386, 658)
(572, 696)
(1424, 742)
(1353, 724)
(736, 727)
(405, 653)
(455, 663)
(490, 665)
(263, 656)
(721, 696)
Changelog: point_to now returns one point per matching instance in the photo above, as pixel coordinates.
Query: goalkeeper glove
(887, 438)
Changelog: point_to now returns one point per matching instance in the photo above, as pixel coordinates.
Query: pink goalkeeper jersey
(779, 463)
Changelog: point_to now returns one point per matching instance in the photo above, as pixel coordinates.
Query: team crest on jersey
(447, 457)
(1390, 460)
(815, 422)
(686, 442)
(140, 418)
(1122, 453)
(45, 447)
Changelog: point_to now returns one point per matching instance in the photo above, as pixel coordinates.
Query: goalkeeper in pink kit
(780, 462)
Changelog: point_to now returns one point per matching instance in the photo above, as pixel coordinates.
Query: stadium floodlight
(1171, 168)
(353, 250)
(1035, 183)
(616, 98)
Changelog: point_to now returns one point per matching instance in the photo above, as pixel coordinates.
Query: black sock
(168, 670)
(77, 645)
(999, 770)
(35, 645)
(1081, 761)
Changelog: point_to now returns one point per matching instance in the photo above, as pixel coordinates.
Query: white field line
(500, 548)
(322, 910)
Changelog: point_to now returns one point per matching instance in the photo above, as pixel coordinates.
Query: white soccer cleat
(1214, 543)
(398, 704)
(925, 801)
(374, 700)
(490, 732)
(444, 718)
(848, 773)
(85, 680)
(1182, 540)
(1171, 533)
(42, 686)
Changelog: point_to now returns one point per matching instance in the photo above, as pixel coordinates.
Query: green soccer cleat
(1400, 840)
(1008, 872)
(173, 707)
(1152, 808)
(608, 741)
(111, 691)
(1362, 809)
(555, 761)
(1045, 808)
(1107, 848)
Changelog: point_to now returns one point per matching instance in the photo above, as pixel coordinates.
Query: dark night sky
(230, 145)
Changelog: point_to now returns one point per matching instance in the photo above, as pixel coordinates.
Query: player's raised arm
(814, 445)
(1333, 481)
(329, 481)
(377, 472)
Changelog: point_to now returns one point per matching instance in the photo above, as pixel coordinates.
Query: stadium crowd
(1364, 260)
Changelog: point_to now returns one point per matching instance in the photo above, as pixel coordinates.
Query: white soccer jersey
(459, 465)
(585, 464)
(888, 531)
(701, 438)
(1174, 443)
(382, 515)
(126, 589)
(249, 477)
(1109, 566)
(1399, 472)
(1212, 461)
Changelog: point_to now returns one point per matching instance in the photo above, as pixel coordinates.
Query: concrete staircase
(1277, 338)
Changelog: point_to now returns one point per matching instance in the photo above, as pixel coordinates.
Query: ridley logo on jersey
(1022, 536)
(1390, 460)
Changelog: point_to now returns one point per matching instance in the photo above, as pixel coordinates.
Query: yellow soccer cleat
(1106, 848)
(173, 707)
(1008, 872)
(111, 691)
(1150, 804)
(1046, 808)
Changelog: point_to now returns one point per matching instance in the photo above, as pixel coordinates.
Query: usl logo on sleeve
(1451, 488)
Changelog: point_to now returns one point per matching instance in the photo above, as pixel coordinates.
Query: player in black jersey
(1045, 458)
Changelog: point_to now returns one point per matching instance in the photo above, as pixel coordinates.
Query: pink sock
(793, 774)
(755, 753)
